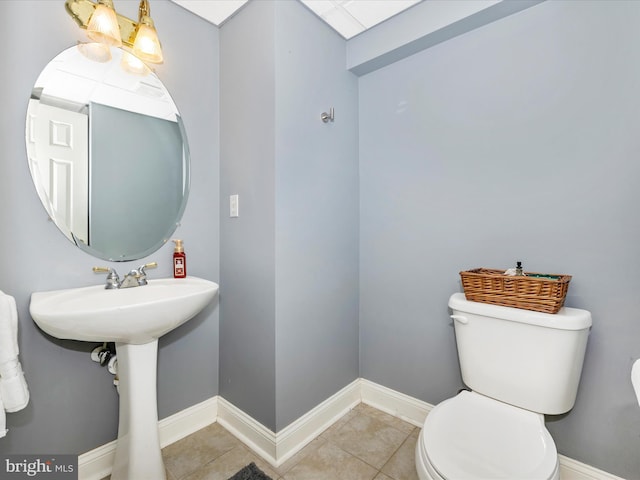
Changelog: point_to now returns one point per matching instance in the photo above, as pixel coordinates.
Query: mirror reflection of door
(108, 154)
(57, 141)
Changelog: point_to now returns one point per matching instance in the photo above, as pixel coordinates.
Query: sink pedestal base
(138, 453)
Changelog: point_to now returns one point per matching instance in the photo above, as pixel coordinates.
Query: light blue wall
(316, 214)
(74, 406)
(422, 26)
(289, 261)
(516, 141)
(247, 294)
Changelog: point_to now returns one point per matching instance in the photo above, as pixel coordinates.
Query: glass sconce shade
(146, 45)
(103, 25)
(132, 64)
(98, 52)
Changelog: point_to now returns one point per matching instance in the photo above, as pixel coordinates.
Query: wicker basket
(541, 294)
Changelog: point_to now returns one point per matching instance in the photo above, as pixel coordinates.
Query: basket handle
(460, 318)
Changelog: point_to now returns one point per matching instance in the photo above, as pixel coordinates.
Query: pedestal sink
(133, 318)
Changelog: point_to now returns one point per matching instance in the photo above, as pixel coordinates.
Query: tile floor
(365, 444)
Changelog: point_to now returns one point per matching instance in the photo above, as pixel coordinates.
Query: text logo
(49, 467)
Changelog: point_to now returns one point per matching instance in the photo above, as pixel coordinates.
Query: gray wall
(74, 406)
(316, 214)
(516, 141)
(247, 243)
(289, 309)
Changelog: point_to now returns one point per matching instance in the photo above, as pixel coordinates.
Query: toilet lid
(471, 436)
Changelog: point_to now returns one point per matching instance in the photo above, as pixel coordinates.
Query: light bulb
(98, 52)
(103, 26)
(147, 46)
(132, 64)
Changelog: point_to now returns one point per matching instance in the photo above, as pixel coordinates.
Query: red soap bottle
(179, 260)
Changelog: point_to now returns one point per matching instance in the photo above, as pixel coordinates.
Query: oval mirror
(107, 152)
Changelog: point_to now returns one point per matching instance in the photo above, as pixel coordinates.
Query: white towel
(635, 378)
(3, 420)
(13, 386)
(14, 392)
(8, 328)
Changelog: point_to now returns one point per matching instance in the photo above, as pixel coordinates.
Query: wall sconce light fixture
(105, 26)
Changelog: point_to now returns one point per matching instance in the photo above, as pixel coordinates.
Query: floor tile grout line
(378, 470)
(388, 424)
(204, 465)
(396, 451)
(355, 456)
(280, 475)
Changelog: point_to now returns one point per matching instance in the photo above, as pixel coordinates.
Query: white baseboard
(394, 403)
(296, 435)
(96, 464)
(277, 448)
(251, 432)
(571, 469)
(188, 421)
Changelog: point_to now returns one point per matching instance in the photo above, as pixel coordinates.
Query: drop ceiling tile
(347, 17)
(372, 12)
(343, 22)
(215, 11)
(320, 7)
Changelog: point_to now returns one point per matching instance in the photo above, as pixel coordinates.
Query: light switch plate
(233, 206)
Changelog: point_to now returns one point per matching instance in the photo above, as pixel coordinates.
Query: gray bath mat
(250, 472)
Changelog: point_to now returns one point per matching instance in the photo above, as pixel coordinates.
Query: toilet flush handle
(460, 318)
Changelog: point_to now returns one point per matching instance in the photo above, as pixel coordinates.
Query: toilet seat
(474, 437)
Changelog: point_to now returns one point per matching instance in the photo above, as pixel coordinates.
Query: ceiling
(347, 17)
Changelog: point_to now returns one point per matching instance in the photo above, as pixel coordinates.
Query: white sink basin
(130, 315)
(133, 318)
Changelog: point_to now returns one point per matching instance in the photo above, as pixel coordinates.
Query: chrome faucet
(142, 272)
(113, 280)
(135, 278)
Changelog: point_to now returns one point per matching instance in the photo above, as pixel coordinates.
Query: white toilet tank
(528, 359)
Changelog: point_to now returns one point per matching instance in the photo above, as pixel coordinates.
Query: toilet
(518, 365)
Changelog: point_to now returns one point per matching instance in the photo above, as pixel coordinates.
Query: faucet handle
(142, 279)
(113, 280)
(147, 265)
